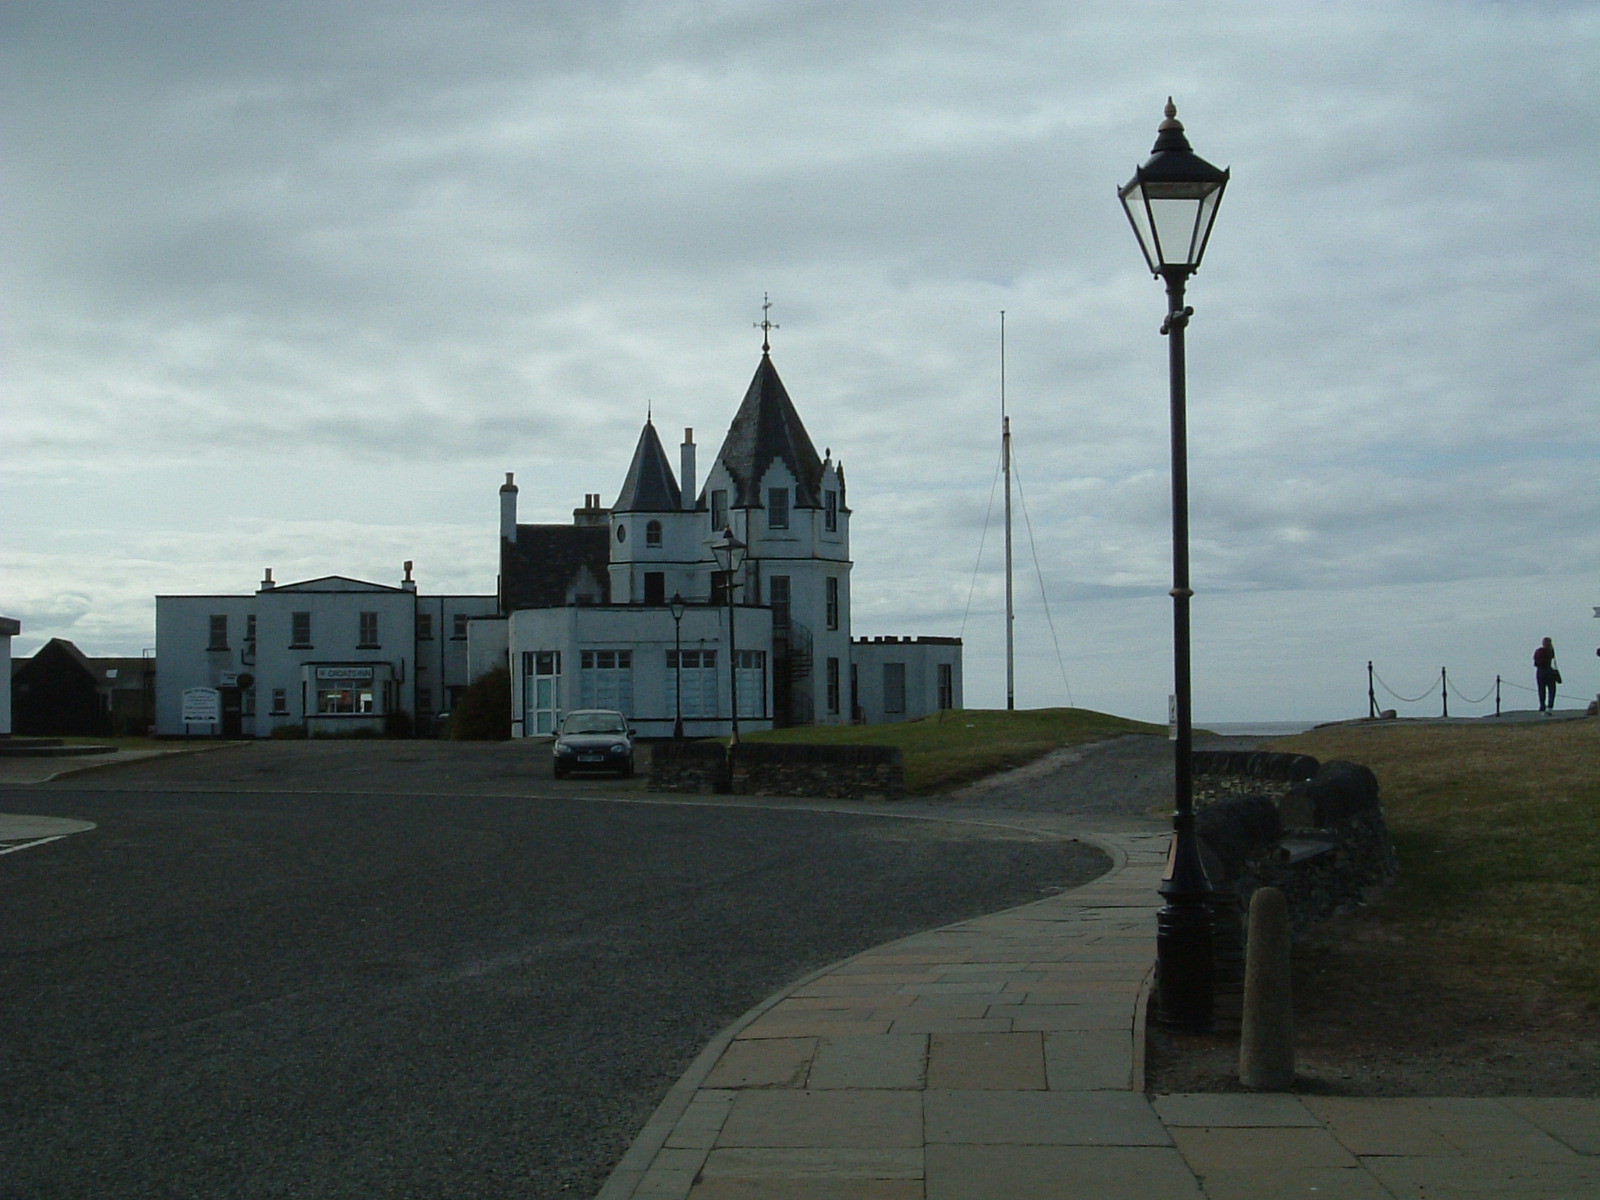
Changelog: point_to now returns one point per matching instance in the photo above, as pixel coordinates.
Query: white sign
(352, 674)
(1172, 718)
(202, 706)
(229, 679)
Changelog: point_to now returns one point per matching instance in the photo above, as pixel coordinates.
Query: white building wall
(917, 662)
(647, 634)
(9, 628)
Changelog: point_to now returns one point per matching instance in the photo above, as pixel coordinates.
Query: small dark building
(56, 693)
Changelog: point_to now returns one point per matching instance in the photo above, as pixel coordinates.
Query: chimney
(591, 513)
(266, 584)
(408, 583)
(688, 469)
(508, 510)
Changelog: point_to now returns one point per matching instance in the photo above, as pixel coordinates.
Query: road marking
(29, 845)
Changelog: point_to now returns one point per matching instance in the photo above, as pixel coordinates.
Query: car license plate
(589, 758)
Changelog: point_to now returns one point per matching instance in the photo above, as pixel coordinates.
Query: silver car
(594, 739)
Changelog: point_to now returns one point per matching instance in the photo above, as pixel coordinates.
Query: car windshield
(594, 723)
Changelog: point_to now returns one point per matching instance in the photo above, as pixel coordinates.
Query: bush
(397, 724)
(483, 713)
(289, 733)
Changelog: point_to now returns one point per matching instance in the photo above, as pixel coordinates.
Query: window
(719, 511)
(458, 627)
(696, 675)
(606, 680)
(652, 534)
(832, 589)
(250, 627)
(299, 631)
(368, 636)
(830, 512)
(777, 508)
(947, 686)
(280, 702)
(219, 633)
(778, 595)
(751, 669)
(424, 627)
(894, 687)
(655, 587)
(345, 692)
(833, 687)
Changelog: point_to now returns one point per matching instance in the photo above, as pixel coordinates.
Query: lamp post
(730, 552)
(675, 606)
(1171, 201)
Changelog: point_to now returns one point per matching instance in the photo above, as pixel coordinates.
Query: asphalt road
(405, 969)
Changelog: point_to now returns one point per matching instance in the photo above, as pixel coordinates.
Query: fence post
(1372, 697)
(1444, 689)
(1497, 695)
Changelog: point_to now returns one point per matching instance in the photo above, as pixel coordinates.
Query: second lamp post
(730, 552)
(1172, 201)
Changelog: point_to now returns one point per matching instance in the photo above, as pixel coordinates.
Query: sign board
(1172, 718)
(228, 679)
(345, 674)
(202, 706)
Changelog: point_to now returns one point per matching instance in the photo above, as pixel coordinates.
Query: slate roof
(539, 568)
(650, 486)
(765, 429)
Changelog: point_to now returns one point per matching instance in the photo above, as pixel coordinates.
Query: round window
(622, 533)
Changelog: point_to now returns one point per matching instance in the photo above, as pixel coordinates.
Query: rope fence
(1442, 689)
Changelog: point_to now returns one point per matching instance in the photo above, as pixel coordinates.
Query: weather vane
(765, 324)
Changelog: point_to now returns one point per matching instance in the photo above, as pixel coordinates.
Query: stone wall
(1315, 831)
(775, 769)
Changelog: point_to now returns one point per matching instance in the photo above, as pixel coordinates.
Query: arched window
(652, 534)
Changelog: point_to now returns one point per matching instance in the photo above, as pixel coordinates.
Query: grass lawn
(957, 747)
(1498, 832)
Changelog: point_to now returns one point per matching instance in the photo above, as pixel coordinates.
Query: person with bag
(1546, 676)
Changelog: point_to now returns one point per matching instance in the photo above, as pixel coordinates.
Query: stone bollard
(1266, 1036)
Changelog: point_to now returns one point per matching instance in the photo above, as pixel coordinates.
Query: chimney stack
(266, 584)
(408, 583)
(688, 492)
(508, 509)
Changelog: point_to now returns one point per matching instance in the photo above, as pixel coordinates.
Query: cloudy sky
(294, 284)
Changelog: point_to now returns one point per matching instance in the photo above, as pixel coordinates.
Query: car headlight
(620, 748)
(563, 750)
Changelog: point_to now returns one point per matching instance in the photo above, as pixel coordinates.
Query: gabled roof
(650, 485)
(539, 568)
(766, 429)
(333, 583)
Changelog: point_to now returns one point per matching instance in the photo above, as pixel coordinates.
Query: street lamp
(1171, 202)
(675, 606)
(730, 552)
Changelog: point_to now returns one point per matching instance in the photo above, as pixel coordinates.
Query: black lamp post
(1171, 202)
(730, 552)
(675, 606)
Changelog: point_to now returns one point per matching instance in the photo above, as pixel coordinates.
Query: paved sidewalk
(1002, 1059)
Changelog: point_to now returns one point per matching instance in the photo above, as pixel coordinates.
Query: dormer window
(719, 510)
(830, 512)
(777, 508)
(652, 535)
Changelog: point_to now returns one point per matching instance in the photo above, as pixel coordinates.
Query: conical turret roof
(650, 486)
(765, 429)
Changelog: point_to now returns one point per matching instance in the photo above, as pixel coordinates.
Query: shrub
(289, 733)
(483, 713)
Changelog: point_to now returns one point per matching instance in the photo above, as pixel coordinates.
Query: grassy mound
(1498, 832)
(952, 748)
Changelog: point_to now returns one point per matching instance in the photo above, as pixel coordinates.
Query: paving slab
(1058, 1173)
(1043, 1119)
(824, 1119)
(987, 1061)
(1233, 1109)
(1575, 1123)
(885, 1062)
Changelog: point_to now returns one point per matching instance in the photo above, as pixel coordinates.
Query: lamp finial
(1172, 121)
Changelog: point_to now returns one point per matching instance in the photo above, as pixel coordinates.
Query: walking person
(1546, 675)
